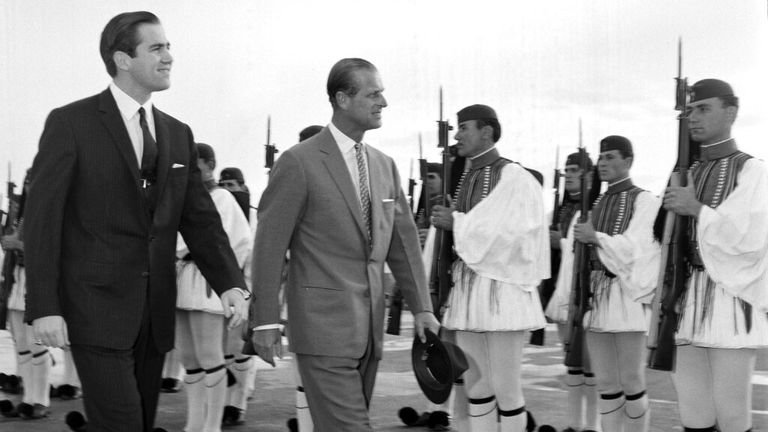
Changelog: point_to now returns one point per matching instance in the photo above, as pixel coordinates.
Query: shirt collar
(345, 143)
(717, 150)
(127, 105)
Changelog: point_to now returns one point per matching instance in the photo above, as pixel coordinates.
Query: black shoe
(233, 416)
(68, 392)
(7, 409)
(76, 421)
(32, 412)
(293, 424)
(439, 421)
(12, 384)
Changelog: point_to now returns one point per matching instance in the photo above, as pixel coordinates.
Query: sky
(543, 65)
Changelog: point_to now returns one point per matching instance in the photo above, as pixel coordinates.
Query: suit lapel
(339, 172)
(114, 124)
(163, 150)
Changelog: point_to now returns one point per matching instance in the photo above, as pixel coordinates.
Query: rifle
(580, 288)
(441, 280)
(547, 287)
(10, 260)
(270, 149)
(674, 268)
(411, 185)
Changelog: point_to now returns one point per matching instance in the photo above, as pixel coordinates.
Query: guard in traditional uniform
(33, 360)
(723, 309)
(580, 382)
(502, 245)
(624, 262)
(200, 322)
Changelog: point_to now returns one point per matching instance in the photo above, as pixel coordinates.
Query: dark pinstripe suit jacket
(92, 253)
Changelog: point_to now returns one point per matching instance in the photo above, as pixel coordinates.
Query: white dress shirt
(129, 111)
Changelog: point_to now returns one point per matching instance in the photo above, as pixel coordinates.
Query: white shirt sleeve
(234, 222)
(505, 236)
(733, 238)
(634, 256)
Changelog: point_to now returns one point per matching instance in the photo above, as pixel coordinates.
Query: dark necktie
(149, 156)
(365, 194)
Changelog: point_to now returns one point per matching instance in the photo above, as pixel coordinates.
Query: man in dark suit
(113, 181)
(338, 206)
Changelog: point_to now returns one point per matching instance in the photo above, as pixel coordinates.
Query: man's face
(612, 166)
(469, 139)
(434, 184)
(150, 68)
(364, 108)
(231, 185)
(573, 178)
(206, 172)
(709, 121)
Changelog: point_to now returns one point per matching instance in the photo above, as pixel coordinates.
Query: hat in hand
(437, 364)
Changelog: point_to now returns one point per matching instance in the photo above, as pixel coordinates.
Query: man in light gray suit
(337, 205)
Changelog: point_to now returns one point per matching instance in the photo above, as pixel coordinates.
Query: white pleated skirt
(613, 310)
(193, 290)
(481, 304)
(712, 318)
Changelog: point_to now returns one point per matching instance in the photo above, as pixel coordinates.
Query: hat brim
(436, 380)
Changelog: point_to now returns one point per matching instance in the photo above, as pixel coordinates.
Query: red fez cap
(709, 88)
(574, 159)
(616, 142)
(476, 112)
(231, 173)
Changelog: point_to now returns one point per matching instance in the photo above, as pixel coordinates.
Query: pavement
(273, 400)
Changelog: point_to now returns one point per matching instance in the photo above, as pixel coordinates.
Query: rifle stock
(10, 259)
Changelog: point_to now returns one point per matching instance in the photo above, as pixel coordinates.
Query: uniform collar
(717, 150)
(620, 186)
(484, 159)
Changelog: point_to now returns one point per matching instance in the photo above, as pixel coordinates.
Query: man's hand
(442, 216)
(51, 331)
(424, 320)
(682, 200)
(235, 307)
(585, 233)
(268, 343)
(554, 239)
(12, 242)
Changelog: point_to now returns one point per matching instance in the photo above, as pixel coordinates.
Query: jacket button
(145, 274)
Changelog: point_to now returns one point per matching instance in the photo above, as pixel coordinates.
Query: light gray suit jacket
(335, 286)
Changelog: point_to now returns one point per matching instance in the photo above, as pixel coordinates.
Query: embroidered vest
(611, 214)
(477, 182)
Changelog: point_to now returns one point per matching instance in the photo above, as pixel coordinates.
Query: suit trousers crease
(339, 389)
(121, 387)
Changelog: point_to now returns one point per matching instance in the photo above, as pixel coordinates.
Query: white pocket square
(176, 165)
(386, 200)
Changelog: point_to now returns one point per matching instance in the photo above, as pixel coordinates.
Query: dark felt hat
(476, 112)
(434, 167)
(437, 364)
(709, 88)
(574, 159)
(616, 142)
(232, 173)
(205, 152)
(309, 131)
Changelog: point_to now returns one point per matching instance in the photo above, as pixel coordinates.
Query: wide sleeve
(52, 175)
(234, 222)
(634, 255)
(733, 238)
(279, 211)
(505, 237)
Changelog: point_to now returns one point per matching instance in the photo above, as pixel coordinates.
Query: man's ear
(122, 60)
(731, 112)
(629, 160)
(342, 99)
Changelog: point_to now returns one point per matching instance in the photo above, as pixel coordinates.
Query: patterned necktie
(365, 194)
(149, 156)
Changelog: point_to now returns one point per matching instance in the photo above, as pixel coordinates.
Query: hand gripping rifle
(674, 268)
(441, 280)
(269, 148)
(547, 286)
(10, 260)
(580, 288)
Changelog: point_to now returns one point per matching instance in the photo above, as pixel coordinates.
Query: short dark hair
(206, 153)
(341, 79)
(493, 123)
(309, 131)
(120, 34)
